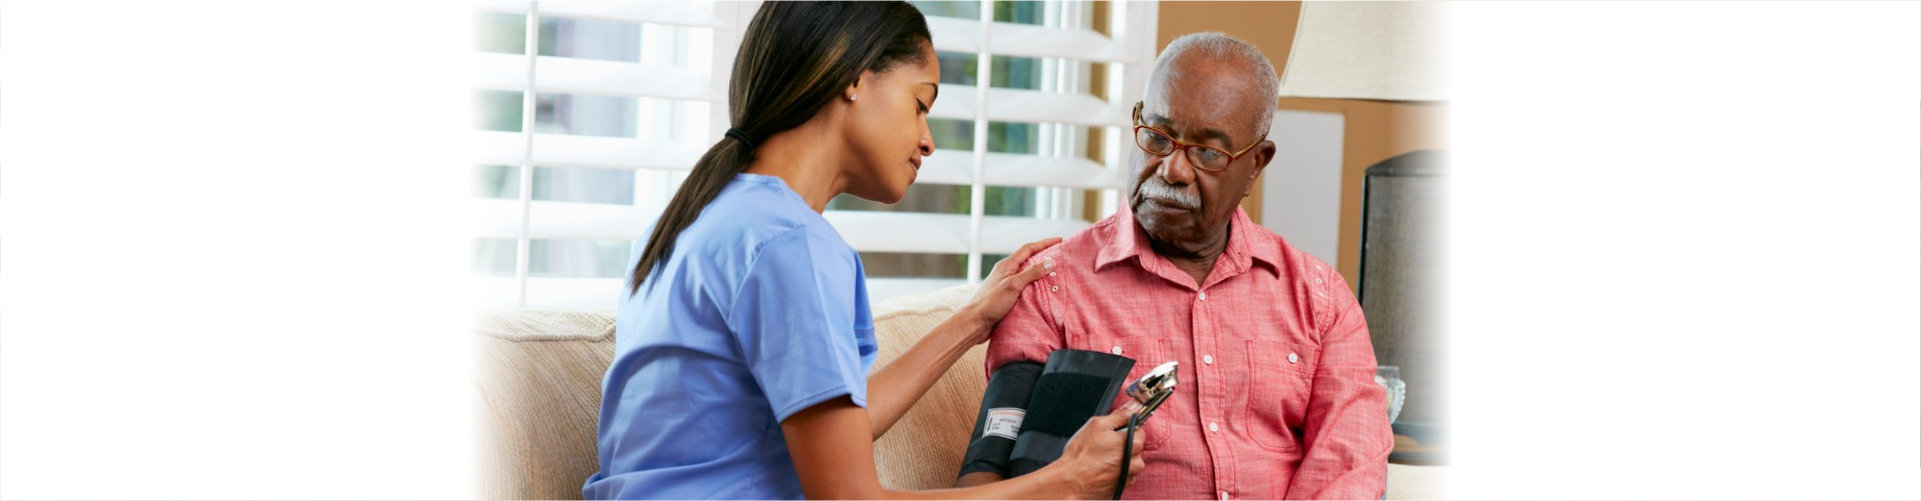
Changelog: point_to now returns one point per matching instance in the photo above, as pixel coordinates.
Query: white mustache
(1155, 188)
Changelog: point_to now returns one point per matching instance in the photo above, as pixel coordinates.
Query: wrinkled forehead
(1201, 98)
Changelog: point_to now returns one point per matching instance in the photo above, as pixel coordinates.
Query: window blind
(582, 142)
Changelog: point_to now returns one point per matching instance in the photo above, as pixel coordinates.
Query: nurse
(743, 345)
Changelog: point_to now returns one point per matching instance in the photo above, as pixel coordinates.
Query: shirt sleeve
(1346, 432)
(1028, 332)
(794, 320)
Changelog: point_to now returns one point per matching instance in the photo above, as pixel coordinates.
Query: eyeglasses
(1159, 143)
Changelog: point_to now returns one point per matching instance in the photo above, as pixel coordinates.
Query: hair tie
(741, 136)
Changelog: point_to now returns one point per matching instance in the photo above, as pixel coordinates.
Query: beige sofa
(539, 380)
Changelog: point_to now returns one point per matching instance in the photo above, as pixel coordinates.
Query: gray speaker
(1402, 237)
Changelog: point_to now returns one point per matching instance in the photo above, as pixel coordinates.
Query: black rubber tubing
(1127, 454)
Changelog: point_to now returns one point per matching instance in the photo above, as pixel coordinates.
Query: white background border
(1686, 250)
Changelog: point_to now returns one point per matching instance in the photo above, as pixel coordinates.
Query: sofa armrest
(924, 448)
(538, 376)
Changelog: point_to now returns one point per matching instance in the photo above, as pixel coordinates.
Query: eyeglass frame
(1178, 145)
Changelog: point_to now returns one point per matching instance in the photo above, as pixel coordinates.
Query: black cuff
(1005, 402)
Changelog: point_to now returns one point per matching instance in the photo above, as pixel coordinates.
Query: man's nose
(1176, 169)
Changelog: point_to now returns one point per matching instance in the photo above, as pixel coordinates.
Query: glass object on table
(1389, 376)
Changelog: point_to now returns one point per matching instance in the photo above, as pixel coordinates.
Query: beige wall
(1375, 130)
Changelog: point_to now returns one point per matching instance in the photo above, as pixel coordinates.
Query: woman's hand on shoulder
(1004, 285)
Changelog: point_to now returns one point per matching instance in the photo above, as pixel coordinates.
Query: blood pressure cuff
(1054, 401)
(1003, 407)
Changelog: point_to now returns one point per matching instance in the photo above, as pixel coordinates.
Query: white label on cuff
(1004, 422)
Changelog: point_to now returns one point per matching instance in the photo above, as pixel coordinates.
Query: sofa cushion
(539, 372)
(924, 448)
(1416, 482)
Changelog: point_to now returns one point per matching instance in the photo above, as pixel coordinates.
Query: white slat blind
(625, 97)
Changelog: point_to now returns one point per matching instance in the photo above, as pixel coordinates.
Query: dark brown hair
(794, 58)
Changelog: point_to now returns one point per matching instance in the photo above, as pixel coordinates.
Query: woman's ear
(852, 93)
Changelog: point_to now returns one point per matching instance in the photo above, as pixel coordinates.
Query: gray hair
(1221, 46)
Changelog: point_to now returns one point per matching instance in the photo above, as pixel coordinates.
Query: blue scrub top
(760, 312)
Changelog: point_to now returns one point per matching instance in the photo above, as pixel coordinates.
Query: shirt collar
(1244, 245)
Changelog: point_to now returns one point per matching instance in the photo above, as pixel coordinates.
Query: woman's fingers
(1094, 453)
(1035, 272)
(1005, 282)
(1114, 420)
(1027, 251)
(1006, 267)
(1135, 463)
(1134, 468)
(1140, 442)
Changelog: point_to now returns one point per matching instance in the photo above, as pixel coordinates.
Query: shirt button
(1317, 280)
(1056, 288)
(1207, 359)
(1117, 350)
(1213, 427)
(1203, 296)
(1050, 273)
(1291, 357)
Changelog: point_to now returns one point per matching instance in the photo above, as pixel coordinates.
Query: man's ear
(1262, 155)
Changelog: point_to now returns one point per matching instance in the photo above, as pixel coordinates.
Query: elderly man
(1277, 396)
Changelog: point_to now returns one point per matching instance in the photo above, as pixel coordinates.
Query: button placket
(1207, 383)
(1214, 397)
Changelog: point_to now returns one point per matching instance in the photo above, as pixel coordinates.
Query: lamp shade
(1366, 50)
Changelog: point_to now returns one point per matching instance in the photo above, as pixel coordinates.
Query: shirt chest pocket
(1281, 376)
(1147, 354)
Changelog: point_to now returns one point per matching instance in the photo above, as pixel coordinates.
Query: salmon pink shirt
(1276, 396)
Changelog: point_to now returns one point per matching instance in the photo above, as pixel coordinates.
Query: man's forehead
(1193, 72)
(1211, 95)
(1226, 120)
(1186, 125)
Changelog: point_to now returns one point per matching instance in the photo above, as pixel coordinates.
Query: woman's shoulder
(752, 216)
